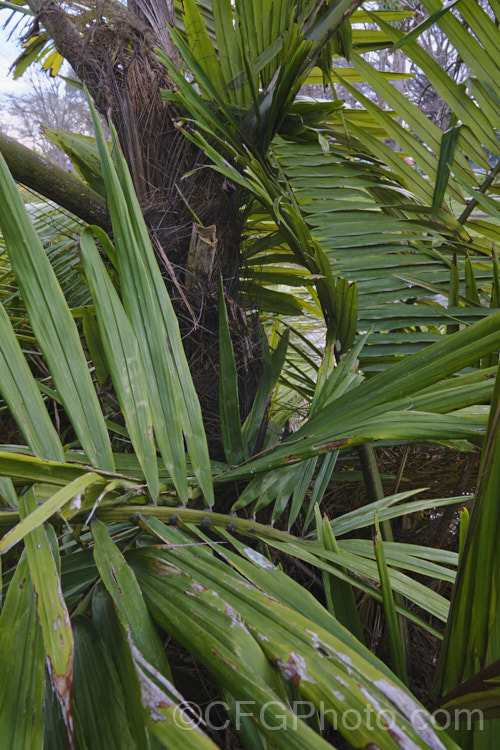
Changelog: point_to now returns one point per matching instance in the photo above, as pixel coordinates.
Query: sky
(9, 50)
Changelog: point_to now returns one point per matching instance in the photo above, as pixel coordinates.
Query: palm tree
(113, 52)
(112, 548)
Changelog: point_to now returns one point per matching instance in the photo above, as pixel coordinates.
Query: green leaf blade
(52, 612)
(124, 361)
(52, 323)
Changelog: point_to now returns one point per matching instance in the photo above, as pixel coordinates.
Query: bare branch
(42, 175)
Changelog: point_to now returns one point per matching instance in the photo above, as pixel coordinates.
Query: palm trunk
(114, 57)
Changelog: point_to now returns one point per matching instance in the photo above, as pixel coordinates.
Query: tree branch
(42, 175)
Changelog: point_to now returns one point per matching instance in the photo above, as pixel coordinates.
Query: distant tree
(51, 101)
(416, 86)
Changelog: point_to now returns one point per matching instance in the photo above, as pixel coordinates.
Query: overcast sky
(9, 50)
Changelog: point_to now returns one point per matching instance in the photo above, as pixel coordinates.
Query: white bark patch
(347, 661)
(196, 589)
(414, 713)
(76, 503)
(395, 732)
(319, 645)
(342, 682)
(295, 668)
(153, 698)
(258, 559)
(164, 569)
(198, 586)
(236, 621)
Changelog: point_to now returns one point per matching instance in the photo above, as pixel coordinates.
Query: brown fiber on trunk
(112, 52)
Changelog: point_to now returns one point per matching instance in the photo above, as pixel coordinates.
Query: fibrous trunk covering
(112, 52)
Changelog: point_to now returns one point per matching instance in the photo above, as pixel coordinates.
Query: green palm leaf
(52, 323)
